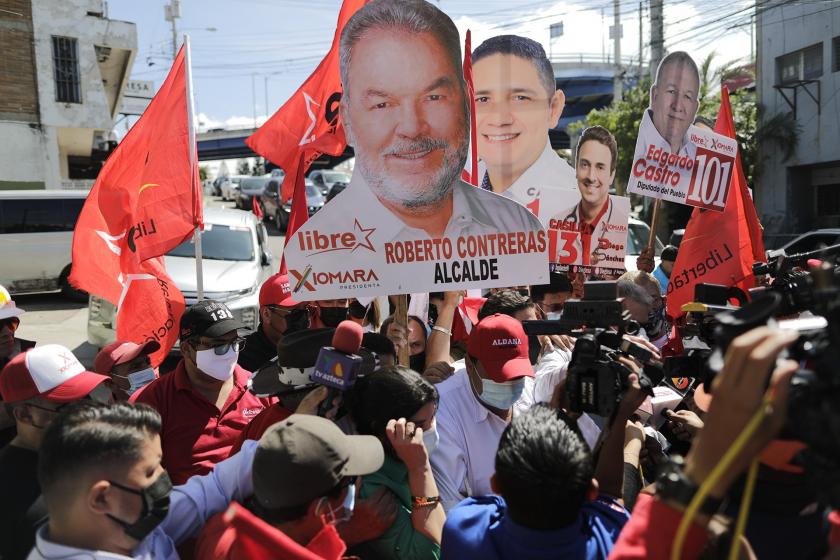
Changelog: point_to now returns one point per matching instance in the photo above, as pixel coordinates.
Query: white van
(36, 237)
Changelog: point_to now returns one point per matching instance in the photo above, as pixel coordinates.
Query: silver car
(235, 261)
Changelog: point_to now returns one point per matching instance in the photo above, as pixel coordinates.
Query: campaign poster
(406, 222)
(590, 237)
(675, 160)
(516, 103)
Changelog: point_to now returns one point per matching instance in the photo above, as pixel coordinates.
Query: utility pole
(657, 36)
(617, 81)
(254, 96)
(265, 84)
(641, 43)
(171, 12)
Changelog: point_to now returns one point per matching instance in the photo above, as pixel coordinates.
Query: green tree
(243, 167)
(202, 172)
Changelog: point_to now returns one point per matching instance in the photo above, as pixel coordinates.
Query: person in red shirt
(305, 472)
(205, 403)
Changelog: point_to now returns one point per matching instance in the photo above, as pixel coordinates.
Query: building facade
(64, 68)
(798, 84)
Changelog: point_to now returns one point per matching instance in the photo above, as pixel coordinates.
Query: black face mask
(155, 507)
(297, 320)
(655, 321)
(417, 362)
(332, 316)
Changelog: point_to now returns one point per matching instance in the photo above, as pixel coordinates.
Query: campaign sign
(590, 239)
(406, 221)
(698, 175)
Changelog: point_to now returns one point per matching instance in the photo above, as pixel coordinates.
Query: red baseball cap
(121, 352)
(500, 344)
(276, 291)
(50, 372)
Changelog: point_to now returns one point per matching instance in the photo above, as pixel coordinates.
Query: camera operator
(739, 392)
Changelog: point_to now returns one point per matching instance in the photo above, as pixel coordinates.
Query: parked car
(235, 261)
(36, 237)
(335, 190)
(217, 185)
(249, 189)
(277, 212)
(638, 234)
(810, 241)
(325, 179)
(230, 186)
(676, 237)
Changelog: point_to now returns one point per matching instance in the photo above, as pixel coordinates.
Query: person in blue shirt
(666, 265)
(548, 505)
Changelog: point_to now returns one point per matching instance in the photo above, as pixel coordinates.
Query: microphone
(338, 365)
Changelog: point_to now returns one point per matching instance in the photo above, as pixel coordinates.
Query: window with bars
(835, 49)
(66, 63)
(804, 64)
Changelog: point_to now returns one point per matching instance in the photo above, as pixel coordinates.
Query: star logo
(308, 136)
(363, 232)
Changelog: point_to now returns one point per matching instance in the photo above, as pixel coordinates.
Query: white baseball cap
(8, 308)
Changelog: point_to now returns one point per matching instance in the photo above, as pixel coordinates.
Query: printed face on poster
(516, 103)
(590, 236)
(674, 159)
(406, 222)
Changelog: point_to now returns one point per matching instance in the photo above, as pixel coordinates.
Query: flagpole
(199, 272)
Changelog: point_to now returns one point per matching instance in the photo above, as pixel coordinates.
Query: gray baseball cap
(304, 457)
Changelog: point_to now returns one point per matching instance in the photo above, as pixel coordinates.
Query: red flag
(299, 212)
(310, 114)
(145, 201)
(718, 247)
(470, 172)
(257, 209)
(239, 534)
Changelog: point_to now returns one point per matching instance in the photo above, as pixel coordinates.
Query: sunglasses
(221, 348)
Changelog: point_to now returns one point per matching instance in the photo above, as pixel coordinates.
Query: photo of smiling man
(516, 103)
(674, 99)
(406, 114)
(593, 232)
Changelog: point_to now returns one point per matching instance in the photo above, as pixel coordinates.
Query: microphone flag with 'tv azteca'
(310, 114)
(145, 202)
(718, 247)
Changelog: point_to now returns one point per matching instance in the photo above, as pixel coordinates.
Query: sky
(249, 56)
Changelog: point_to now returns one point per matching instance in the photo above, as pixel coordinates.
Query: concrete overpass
(230, 144)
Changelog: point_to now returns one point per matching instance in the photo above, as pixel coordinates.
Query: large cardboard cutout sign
(516, 103)
(675, 160)
(406, 222)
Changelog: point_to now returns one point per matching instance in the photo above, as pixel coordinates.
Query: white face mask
(139, 379)
(501, 395)
(431, 439)
(217, 367)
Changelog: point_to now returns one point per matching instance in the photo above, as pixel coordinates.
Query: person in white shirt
(516, 103)
(476, 404)
(108, 496)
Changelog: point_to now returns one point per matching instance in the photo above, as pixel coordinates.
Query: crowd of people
(470, 451)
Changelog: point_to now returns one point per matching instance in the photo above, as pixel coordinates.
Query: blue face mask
(333, 516)
(501, 395)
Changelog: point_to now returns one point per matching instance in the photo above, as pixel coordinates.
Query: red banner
(718, 248)
(146, 201)
(310, 114)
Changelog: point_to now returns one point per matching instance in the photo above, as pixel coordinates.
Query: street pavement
(51, 318)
